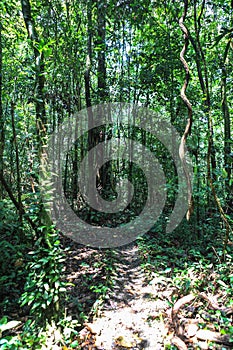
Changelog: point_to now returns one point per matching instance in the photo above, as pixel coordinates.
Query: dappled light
(116, 175)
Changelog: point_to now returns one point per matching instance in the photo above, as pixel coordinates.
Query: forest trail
(132, 314)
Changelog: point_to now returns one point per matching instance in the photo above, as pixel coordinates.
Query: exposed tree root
(188, 330)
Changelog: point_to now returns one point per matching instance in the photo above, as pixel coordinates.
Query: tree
(1, 118)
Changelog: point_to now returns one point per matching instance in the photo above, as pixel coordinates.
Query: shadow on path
(131, 314)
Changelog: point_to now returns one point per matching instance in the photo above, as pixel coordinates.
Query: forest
(116, 174)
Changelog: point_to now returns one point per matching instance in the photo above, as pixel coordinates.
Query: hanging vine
(188, 127)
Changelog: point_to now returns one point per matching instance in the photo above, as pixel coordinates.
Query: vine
(188, 127)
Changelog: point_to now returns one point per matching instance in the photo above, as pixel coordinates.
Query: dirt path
(132, 316)
(125, 311)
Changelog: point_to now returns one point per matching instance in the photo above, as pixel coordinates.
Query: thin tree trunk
(101, 44)
(15, 202)
(2, 138)
(39, 78)
(103, 94)
(227, 134)
(204, 82)
(41, 120)
(17, 160)
(87, 77)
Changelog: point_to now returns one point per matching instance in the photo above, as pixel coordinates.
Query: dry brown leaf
(179, 343)
(191, 330)
(93, 328)
(83, 333)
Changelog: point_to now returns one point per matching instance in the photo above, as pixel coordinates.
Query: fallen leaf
(191, 330)
(179, 343)
(122, 341)
(93, 328)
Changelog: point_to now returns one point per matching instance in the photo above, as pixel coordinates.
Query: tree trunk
(39, 78)
(227, 134)
(204, 81)
(1, 118)
(101, 44)
(18, 177)
(41, 120)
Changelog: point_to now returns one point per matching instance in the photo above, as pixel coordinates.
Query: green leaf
(46, 286)
(57, 284)
(56, 298)
(74, 344)
(222, 283)
(3, 320)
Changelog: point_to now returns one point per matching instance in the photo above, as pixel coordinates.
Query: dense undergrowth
(194, 266)
(38, 302)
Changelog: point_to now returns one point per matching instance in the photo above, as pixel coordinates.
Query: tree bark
(227, 136)
(101, 44)
(204, 81)
(18, 177)
(2, 138)
(39, 76)
(41, 120)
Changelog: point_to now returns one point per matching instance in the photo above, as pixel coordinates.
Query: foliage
(12, 259)
(44, 289)
(191, 268)
(59, 57)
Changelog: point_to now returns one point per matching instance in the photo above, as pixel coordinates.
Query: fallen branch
(200, 334)
(181, 302)
(204, 334)
(190, 297)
